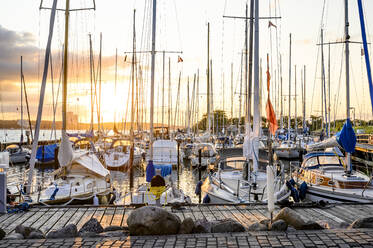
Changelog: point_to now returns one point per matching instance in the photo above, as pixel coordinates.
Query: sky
(181, 26)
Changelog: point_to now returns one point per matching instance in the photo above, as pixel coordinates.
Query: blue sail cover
(166, 169)
(346, 137)
(48, 153)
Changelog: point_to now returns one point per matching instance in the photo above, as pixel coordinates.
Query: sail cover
(345, 138)
(65, 154)
(48, 153)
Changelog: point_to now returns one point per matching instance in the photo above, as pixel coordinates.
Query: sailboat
(81, 176)
(235, 181)
(328, 175)
(17, 153)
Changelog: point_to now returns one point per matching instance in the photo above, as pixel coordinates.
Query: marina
(129, 125)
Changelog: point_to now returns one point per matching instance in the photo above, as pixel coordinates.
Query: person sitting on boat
(322, 135)
(9, 197)
(157, 180)
(113, 196)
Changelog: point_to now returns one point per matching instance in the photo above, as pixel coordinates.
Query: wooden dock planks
(47, 219)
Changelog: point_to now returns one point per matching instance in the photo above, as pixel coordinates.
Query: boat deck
(52, 218)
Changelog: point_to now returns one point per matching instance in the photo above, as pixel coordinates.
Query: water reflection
(188, 178)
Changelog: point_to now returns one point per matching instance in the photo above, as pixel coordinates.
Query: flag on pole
(270, 24)
(271, 116)
(179, 59)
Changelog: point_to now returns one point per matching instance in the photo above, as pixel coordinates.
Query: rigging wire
(318, 52)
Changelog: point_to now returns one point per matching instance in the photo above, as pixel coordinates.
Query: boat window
(311, 162)
(234, 164)
(328, 160)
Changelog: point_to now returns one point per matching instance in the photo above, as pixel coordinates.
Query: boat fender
(206, 199)
(198, 188)
(302, 191)
(95, 201)
(53, 196)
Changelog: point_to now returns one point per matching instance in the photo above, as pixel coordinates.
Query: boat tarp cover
(87, 163)
(49, 151)
(346, 137)
(166, 169)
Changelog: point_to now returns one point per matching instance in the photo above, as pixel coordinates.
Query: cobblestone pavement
(325, 238)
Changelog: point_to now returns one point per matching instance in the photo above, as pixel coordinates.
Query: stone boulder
(24, 230)
(186, 226)
(91, 226)
(362, 223)
(37, 234)
(258, 227)
(279, 226)
(69, 231)
(202, 226)
(265, 222)
(295, 220)
(2, 234)
(14, 236)
(150, 220)
(227, 226)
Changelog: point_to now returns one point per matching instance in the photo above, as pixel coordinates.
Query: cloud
(13, 45)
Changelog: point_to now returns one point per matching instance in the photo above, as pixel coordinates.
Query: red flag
(271, 117)
(179, 59)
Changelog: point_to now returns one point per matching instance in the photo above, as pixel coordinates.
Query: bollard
(4, 165)
(199, 171)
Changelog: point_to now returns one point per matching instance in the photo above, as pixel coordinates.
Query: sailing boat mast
(282, 106)
(289, 118)
(92, 76)
(163, 53)
(132, 98)
(152, 78)
(323, 90)
(231, 93)
(256, 123)
(295, 95)
(347, 41)
(21, 141)
(43, 85)
(329, 91)
(304, 97)
(208, 78)
(240, 98)
(115, 85)
(169, 94)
